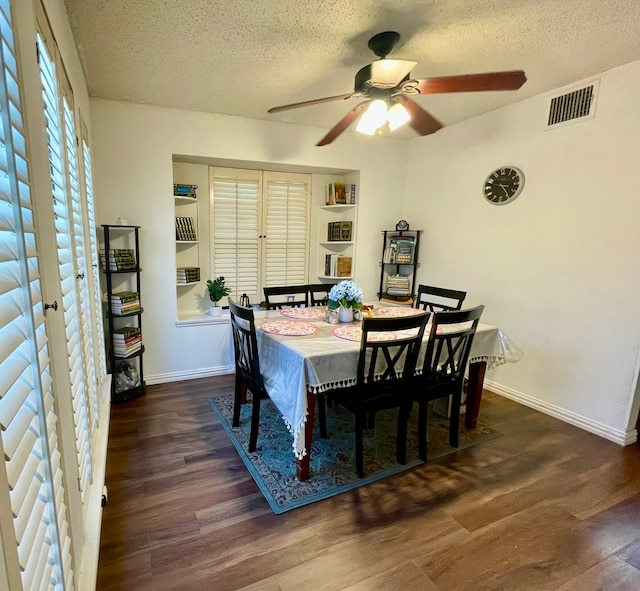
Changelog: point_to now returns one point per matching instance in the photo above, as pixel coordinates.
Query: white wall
(559, 268)
(133, 147)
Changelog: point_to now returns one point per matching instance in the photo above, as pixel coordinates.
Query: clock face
(402, 225)
(503, 185)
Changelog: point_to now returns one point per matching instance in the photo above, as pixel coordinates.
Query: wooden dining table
(303, 355)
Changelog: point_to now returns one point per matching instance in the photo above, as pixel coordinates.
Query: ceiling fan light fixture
(388, 73)
(373, 118)
(397, 116)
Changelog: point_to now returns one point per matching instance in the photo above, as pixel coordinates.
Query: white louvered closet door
(235, 223)
(286, 228)
(100, 363)
(64, 239)
(28, 421)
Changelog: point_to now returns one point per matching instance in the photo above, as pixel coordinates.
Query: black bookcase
(121, 266)
(398, 263)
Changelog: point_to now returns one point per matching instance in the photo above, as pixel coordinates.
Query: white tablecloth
(320, 362)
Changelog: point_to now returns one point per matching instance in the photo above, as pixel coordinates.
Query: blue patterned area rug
(272, 465)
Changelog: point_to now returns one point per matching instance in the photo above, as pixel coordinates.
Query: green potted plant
(217, 291)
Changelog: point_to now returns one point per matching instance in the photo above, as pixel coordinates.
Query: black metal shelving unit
(114, 321)
(391, 265)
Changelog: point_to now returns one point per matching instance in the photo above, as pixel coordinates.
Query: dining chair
(286, 296)
(319, 293)
(447, 353)
(386, 367)
(437, 299)
(247, 366)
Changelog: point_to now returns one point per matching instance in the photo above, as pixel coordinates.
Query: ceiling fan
(388, 88)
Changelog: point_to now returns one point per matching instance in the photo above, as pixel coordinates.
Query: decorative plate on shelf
(293, 328)
(311, 313)
(396, 311)
(353, 332)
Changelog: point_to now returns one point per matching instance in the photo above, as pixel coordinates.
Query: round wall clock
(503, 185)
(402, 225)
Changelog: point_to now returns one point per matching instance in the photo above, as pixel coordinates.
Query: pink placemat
(396, 311)
(313, 313)
(293, 328)
(353, 332)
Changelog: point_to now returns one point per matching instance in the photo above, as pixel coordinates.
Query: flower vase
(215, 310)
(345, 314)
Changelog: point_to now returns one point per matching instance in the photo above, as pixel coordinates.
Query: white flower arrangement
(346, 294)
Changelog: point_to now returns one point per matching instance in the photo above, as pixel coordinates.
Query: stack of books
(185, 229)
(126, 341)
(340, 194)
(339, 231)
(186, 275)
(336, 265)
(398, 285)
(120, 259)
(125, 302)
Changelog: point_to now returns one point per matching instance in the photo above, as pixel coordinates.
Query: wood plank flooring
(546, 507)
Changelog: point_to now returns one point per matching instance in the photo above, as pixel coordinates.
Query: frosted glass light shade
(373, 118)
(397, 116)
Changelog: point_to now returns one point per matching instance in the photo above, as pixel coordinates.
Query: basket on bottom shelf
(126, 376)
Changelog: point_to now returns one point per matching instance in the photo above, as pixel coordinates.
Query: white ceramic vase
(345, 314)
(215, 310)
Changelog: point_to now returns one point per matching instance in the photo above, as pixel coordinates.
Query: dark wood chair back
(319, 293)
(286, 296)
(447, 353)
(438, 299)
(386, 368)
(247, 366)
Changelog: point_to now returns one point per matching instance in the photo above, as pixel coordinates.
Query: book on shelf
(128, 351)
(118, 260)
(339, 193)
(187, 274)
(400, 250)
(339, 231)
(398, 285)
(126, 332)
(337, 265)
(180, 190)
(127, 343)
(185, 229)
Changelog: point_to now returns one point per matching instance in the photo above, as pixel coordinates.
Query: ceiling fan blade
(312, 102)
(471, 82)
(339, 127)
(421, 121)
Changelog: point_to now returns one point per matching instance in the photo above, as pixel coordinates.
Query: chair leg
(237, 400)
(422, 429)
(454, 421)
(255, 422)
(322, 415)
(359, 446)
(401, 437)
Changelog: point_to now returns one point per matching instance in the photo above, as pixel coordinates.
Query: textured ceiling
(241, 57)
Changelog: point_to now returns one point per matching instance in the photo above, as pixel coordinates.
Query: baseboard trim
(179, 376)
(615, 435)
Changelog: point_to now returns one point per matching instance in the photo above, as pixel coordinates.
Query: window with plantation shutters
(55, 118)
(28, 420)
(260, 226)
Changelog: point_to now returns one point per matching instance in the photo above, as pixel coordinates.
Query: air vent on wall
(575, 105)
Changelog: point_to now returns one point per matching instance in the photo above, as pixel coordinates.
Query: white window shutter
(28, 421)
(286, 249)
(235, 223)
(64, 238)
(98, 341)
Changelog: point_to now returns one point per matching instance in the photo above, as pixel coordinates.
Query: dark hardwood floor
(546, 507)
